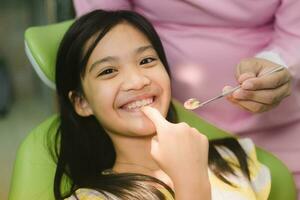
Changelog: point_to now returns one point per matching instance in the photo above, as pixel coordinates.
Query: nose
(135, 79)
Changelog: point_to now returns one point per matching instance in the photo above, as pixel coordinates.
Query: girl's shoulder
(260, 177)
(256, 168)
(90, 194)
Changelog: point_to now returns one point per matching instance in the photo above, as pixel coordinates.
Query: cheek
(165, 83)
(102, 98)
(167, 94)
(162, 80)
(160, 75)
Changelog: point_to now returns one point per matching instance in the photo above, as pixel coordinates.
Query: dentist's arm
(83, 6)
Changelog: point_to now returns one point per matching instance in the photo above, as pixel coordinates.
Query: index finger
(246, 69)
(270, 81)
(155, 116)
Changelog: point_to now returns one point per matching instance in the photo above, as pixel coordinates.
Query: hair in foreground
(82, 148)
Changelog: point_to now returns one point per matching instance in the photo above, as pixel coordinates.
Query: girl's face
(123, 74)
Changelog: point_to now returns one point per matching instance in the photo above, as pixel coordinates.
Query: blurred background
(24, 100)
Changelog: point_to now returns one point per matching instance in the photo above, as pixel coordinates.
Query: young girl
(113, 142)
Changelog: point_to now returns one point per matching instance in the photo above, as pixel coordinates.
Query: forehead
(122, 37)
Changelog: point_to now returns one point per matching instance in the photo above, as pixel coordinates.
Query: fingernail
(247, 85)
(246, 76)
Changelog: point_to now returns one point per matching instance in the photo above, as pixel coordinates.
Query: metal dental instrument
(192, 104)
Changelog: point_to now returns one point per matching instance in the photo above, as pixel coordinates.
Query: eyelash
(107, 71)
(152, 59)
(111, 70)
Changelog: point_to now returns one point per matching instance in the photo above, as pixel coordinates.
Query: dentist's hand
(181, 152)
(259, 94)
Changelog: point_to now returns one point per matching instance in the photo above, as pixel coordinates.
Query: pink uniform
(205, 40)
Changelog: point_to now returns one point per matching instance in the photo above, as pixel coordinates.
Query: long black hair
(82, 149)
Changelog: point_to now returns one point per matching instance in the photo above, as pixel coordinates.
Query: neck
(133, 154)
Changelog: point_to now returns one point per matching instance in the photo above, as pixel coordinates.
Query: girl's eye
(107, 71)
(147, 60)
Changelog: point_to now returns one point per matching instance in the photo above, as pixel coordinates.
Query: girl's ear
(80, 104)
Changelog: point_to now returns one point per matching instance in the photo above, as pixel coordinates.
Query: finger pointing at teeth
(155, 116)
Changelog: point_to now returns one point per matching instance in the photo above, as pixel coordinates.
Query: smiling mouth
(136, 105)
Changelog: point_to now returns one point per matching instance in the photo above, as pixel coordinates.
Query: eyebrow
(143, 48)
(106, 59)
(113, 58)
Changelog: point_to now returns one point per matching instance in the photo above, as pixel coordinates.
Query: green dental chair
(34, 169)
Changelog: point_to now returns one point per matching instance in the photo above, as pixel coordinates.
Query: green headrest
(41, 45)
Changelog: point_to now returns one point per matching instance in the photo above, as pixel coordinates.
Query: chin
(144, 129)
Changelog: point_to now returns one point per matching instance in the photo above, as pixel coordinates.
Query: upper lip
(136, 98)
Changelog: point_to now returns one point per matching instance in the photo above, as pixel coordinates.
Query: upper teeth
(140, 103)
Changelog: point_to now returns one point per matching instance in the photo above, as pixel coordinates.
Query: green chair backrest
(34, 168)
(41, 45)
